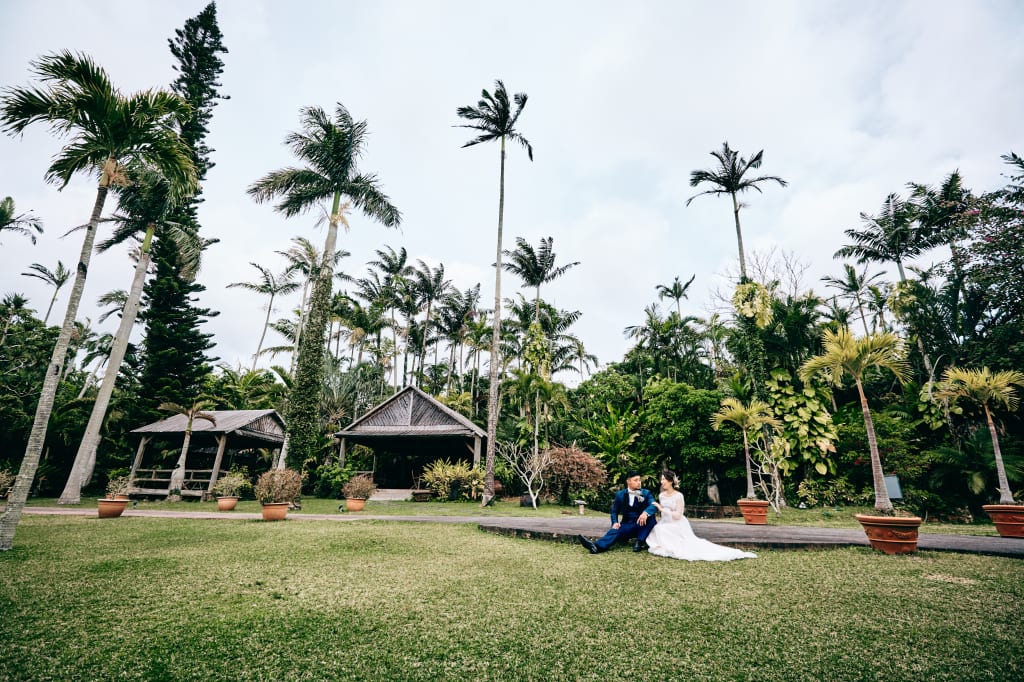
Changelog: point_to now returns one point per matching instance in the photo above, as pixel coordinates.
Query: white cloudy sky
(849, 100)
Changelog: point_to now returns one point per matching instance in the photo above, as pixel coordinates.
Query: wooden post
(222, 441)
(138, 459)
(341, 454)
(476, 451)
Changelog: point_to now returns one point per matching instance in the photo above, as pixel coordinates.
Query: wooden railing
(158, 482)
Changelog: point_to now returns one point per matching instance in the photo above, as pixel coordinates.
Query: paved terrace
(566, 528)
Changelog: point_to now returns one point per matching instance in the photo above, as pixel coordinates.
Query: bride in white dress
(672, 536)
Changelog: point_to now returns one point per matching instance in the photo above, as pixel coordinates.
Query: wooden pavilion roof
(254, 428)
(411, 413)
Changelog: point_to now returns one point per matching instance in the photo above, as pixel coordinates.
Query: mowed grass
(178, 599)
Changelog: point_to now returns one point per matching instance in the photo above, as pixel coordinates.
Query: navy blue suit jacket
(621, 504)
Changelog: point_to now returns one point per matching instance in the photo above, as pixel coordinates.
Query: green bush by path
(157, 599)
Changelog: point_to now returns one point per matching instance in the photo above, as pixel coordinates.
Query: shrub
(359, 488)
(118, 485)
(573, 472)
(453, 481)
(330, 479)
(278, 485)
(831, 492)
(6, 481)
(231, 484)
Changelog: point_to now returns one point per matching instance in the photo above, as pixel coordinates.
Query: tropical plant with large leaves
(843, 355)
(495, 118)
(331, 149)
(749, 418)
(107, 129)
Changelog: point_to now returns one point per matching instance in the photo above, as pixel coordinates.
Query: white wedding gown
(672, 536)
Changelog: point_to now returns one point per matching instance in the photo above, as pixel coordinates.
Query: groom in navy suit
(636, 507)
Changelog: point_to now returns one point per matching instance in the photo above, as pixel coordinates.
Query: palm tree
(107, 129)
(144, 206)
(430, 287)
(843, 354)
(677, 290)
(191, 414)
(987, 389)
(25, 223)
(495, 119)
(535, 266)
(728, 178)
(270, 285)
(394, 266)
(751, 417)
(854, 287)
(56, 278)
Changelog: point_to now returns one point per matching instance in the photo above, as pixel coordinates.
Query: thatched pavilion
(231, 432)
(413, 428)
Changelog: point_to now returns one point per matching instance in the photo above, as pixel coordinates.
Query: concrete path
(566, 528)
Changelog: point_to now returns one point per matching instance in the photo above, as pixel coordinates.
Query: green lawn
(174, 599)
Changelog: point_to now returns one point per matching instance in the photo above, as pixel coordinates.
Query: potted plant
(845, 355)
(357, 491)
(989, 390)
(226, 489)
(117, 498)
(275, 490)
(751, 417)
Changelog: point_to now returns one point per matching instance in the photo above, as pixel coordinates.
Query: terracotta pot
(891, 534)
(226, 503)
(355, 504)
(275, 511)
(755, 512)
(1009, 519)
(109, 509)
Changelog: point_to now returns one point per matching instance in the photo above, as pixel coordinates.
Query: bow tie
(636, 494)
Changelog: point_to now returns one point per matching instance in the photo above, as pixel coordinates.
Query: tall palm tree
(729, 177)
(56, 278)
(143, 208)
(330, 149)
(394, 266)
(751, 417)
(270, 285)
(197, 411)
(430, 287)
(854, 287)
(495, 118)
(24, 223)
(843, 354)
(535, 266)
(987, 389)
(677, 290)
(107, 129)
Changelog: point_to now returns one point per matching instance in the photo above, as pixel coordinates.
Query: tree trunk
(739, 238)
(1005, 496)
(30, 463)
(493, 395)
(751, 494)
(178, 475)
(85, 459)
(882, 501)
(266, 323)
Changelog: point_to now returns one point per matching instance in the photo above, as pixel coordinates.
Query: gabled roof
(264, 426)
(411, 412)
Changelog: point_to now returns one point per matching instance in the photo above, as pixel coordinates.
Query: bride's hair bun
(671, 477)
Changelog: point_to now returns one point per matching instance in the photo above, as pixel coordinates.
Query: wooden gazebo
(232, 429)
(411, 420)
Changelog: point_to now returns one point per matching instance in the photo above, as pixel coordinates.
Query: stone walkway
(566, 528)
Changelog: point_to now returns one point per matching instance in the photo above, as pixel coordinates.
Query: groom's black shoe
(591, 547)
(638, 546)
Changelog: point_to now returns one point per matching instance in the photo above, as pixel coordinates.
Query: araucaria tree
(495, 118)
(330, 149)
(107, 129)
(730, 177)
(843, 354)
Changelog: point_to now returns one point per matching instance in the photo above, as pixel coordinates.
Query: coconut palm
(430, 287)
(197, 411)
(843, 354)
(854, 287)
(107, 129)
(729, 177)
(394, 266)
(495, 118)
(750, 418)
(270, 285)
(989, 390)
(56, 278)
(677, 291)
(143, 209)
(535, 266)
(24, 223)
(331, 150)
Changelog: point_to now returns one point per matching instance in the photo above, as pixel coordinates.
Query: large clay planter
(891, 534)
(275, 511)
(755, 512)
(355, 504)
(110, 509)
(226, 503)
(1009, 519)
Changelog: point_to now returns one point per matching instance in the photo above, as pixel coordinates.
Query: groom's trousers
(627, 530)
